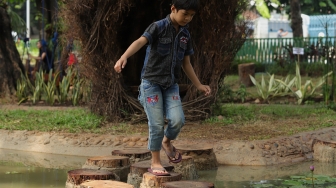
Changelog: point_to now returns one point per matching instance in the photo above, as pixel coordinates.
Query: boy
(169, 47)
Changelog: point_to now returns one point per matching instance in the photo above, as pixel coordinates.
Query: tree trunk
(296, 18)
(10, 62)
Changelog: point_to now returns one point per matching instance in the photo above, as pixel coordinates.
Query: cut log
(204, 157)
(244, 71)
(135, 155)
(151, 181)
(185, 184)
(105, 184)
(138, 169)
(78, 176)
(119, 165)
(187, 168)
(324, 151)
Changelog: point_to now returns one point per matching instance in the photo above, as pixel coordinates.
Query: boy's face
(181, 17)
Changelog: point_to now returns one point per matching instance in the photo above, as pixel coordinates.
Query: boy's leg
(175, 116)
(151, 99)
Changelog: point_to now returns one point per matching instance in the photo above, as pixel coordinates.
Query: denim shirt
(165, 52)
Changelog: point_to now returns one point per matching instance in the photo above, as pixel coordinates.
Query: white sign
(298, 51)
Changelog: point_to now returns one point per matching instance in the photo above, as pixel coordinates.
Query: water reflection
(246, 176)
(20, 169)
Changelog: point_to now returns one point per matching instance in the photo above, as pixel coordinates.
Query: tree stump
(324, 151)
(151, 181)
(119, 165)
(135, 155)
(244, 71)
(138, 169)
(105, 184)
(78, 176)
(204, 157)
(187, 168)
(185, 184)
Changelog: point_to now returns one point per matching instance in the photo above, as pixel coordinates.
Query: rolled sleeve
(148, 37)
(151, 32)
(189, 52)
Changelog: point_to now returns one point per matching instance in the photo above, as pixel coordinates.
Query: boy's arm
(132, 49)
(189, 71)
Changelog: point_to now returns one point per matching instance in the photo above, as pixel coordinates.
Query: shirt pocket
(164, 46)
(181, 50)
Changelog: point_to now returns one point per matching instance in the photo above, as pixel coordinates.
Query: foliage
(303, 92)
(76, 91)
(22, 88)
(64, 87)
(242, 93)
(50, 87)
(17, 23)
(46, 87)
(38, 86)
(266, 89)
(284, 89)
(309, 7)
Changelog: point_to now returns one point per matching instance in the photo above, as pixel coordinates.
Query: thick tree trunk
(10, 62)
(296, 18)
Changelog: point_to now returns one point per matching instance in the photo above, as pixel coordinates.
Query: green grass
(284, 119)
(72, 120)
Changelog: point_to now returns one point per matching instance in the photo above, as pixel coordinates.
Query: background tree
(294, 8)
(106, 28)
(10, 62)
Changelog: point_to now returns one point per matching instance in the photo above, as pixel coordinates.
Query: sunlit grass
(70, 120)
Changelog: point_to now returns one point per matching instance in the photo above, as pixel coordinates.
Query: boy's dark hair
(186, 4)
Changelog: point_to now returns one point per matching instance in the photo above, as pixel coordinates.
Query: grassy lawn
(71, 120)
(236, 122)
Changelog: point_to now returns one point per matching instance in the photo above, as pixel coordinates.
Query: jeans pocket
(146, 85)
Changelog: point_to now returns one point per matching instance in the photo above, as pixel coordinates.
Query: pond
(19, 169)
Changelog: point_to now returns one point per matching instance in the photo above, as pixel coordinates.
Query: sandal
(164, 173)
(173, 159)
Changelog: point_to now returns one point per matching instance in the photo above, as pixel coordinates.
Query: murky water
(20, 169)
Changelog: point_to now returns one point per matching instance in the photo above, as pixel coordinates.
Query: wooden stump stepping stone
(204, 156)
(324, 151)
(119, 165)
(187, 184)
(105, 184)
(79, 176)
(135, 155)
(138, 169)
(187, 168)
(244, 72)
(151, 181)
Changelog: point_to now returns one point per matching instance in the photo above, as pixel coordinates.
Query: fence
(269, 50)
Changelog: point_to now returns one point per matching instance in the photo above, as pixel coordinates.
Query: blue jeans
(159, 104)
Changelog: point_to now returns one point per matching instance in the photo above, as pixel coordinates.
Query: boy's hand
(121, 63)
(204, 88)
